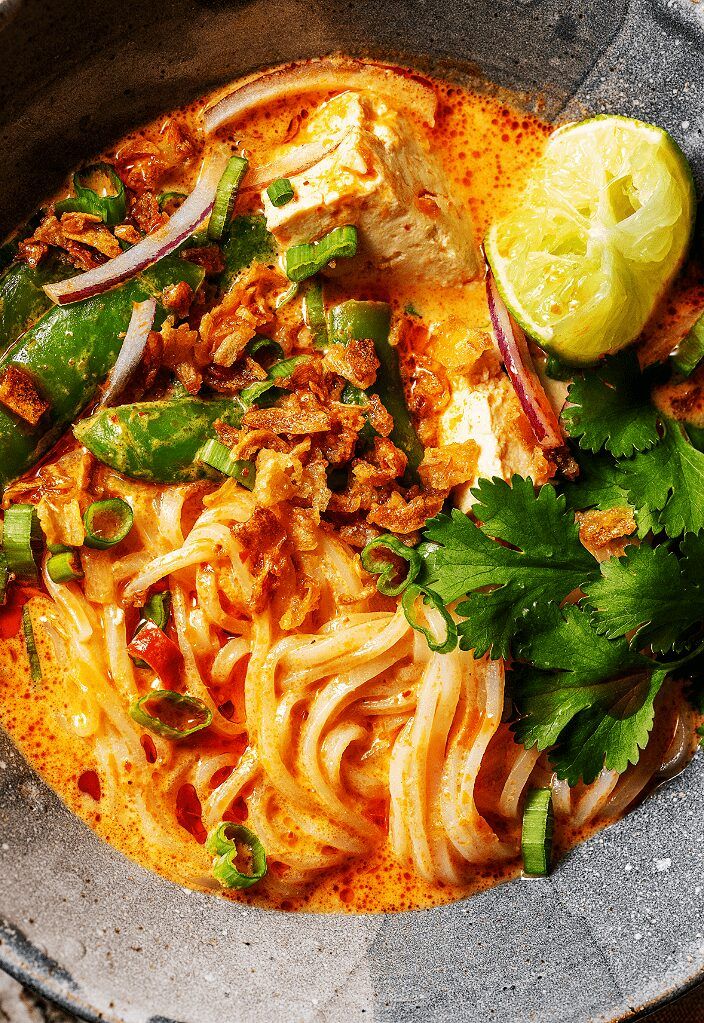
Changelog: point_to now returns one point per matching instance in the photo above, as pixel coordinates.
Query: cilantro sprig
(651, 595)
(539, 560)
(610, 408)
(588, 698)
(645, 460)
(585, 643)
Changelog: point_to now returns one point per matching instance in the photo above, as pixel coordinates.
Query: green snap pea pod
(157, 441)
(67, 353)
(99, 191)
(248, 241)
(22, 296)
(355, 320)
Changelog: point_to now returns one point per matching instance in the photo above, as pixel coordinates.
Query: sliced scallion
(279, 371)
(536, 836)
(35, 668)
(4, 576)
(230, 843)
(218, 456)
(314, 314)
(286, 296)
(225, 196)
(438, 644)
(170, 714)
(58, 548)
(310, 258)
(280, 192)
(100, 192)
(107, 523)
(157, 609)
(262, 344)
(353, 395)
(64, 567)
(21, 540)
(690, 351)
(173, 199)
(384, 566)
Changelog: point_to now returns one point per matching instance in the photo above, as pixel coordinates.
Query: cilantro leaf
(648, 593)
(609, 735)
(543, 564)
(588, 696)
(692, 562)
(611, 408)
(601, 485)
(668, 481)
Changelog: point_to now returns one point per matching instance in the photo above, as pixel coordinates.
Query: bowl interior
(617, 927)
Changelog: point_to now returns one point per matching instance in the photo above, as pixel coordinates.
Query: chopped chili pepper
(161, 653)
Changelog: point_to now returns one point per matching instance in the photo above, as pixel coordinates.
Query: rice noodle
(333, 723)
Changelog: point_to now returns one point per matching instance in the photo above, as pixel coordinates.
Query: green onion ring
(225, 196)
(536, 834)
(35, 668)
(158, 609)
(167, 197)
(218, 456)
(21, 541)
(222, 844)
(408, 600)
(314, 314)
(310, 258)
(64, 567)
(168, 700)
(286, 296)
(385, 568)
(119, 516)
(261, 343)
(280, 192)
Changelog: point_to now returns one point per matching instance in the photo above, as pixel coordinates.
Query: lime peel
(603, 226)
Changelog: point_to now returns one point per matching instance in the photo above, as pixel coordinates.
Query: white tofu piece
(489, 414)
(383, 180)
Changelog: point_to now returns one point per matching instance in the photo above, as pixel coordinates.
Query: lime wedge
(603, 226)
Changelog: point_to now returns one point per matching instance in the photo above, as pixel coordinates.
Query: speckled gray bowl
(618, 927)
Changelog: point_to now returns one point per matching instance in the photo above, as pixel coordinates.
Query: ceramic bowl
(618, 926)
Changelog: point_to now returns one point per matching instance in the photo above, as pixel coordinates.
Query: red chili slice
(153, 646)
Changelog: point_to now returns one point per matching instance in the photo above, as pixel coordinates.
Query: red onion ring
(336, 73)
(290, 163)
(154, 247)
(521, 371)
(130, 355)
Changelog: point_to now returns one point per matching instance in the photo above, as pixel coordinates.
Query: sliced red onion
(330, 73)
(132, 350)
(187, 218)
(291, 163)
(521, 371)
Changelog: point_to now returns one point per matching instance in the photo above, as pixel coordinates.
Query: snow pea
(355, 320)
(22, 296)
(68, 352)
(157, 441)
(248, 241)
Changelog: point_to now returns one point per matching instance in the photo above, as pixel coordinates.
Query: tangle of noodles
(333, 728)
(353, 752)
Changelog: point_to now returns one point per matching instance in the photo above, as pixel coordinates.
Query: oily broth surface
(487, 148)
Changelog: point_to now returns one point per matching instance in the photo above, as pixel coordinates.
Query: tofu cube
(382, 179)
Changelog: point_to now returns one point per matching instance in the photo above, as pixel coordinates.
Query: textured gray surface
(618, 926)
